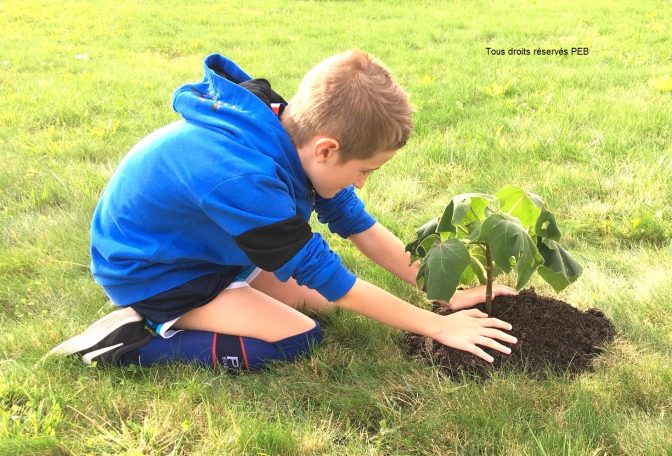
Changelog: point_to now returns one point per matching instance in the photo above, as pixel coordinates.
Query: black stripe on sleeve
(271, 246)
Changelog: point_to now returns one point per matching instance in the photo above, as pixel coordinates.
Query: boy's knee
(260, 353)
(294, 346)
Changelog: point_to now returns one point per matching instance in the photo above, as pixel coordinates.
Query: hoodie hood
(218, 99)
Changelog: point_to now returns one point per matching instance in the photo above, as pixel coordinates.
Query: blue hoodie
(219, 190)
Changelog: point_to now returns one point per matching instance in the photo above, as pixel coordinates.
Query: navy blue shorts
(163, 309)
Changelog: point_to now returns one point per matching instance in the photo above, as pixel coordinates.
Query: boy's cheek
(325, 190)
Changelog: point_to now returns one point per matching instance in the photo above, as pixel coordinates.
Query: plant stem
(488, 282)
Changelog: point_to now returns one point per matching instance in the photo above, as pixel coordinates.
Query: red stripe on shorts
(214, 350)
(242, 347)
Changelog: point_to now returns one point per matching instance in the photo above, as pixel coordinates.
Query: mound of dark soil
(553, 338)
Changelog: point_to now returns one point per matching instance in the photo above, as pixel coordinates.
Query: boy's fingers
(496, 323)
(476, 313)
(481, 353)
(497, 334)
(490, 343)
(503, 289)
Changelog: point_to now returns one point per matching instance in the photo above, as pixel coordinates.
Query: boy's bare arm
(463, 330)
(387, 250)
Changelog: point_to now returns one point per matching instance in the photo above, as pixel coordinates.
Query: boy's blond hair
(353, 98)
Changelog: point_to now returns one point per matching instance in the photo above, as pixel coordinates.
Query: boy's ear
(325, 149)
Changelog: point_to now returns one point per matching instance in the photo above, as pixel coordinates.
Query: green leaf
(427, 229)
(559, 268)
(518, 203)
(421, 278)
(546, 226)
(446, 220)
(470, 207)
(442, 268)
(423, 232)
(463, 210)
(468, 276)
(473, 231)
(463, 216)
(538, 200)
(427, 243)
(511, 246)
(477, 265)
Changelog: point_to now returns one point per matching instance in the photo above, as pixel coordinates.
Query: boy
(202, 232)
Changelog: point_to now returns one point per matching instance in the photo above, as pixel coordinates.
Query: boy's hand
(465, 329)
(463, 299)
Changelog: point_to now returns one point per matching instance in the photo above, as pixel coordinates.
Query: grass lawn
(81, 82)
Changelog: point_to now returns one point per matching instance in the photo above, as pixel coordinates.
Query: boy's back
(187, 199)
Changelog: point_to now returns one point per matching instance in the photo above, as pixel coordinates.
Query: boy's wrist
(432, 327)
(455, 299)
(412, 273)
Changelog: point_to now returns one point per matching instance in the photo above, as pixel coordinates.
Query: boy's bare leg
(247, 312)
(291, 293)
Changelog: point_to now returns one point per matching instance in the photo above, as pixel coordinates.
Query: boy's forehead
(380, 158)
(373, 162)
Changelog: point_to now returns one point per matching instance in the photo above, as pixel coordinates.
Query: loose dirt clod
(553, 338)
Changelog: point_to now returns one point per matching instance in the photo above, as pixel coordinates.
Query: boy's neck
(284, 120)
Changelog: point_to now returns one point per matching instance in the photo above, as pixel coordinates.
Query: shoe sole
(96, 332)
(89, 356)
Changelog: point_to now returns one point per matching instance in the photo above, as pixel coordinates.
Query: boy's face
(321, 162)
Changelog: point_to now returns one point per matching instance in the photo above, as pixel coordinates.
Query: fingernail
(508, 352)
(515, 340)
(510, 327)
(491, 360)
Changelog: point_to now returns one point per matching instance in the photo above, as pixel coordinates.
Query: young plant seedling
(481, 236)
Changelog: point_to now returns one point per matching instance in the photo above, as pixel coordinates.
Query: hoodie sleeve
(261, 216)
(344, 213)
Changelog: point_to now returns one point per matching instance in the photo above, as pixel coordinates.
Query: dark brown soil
(554, 338)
